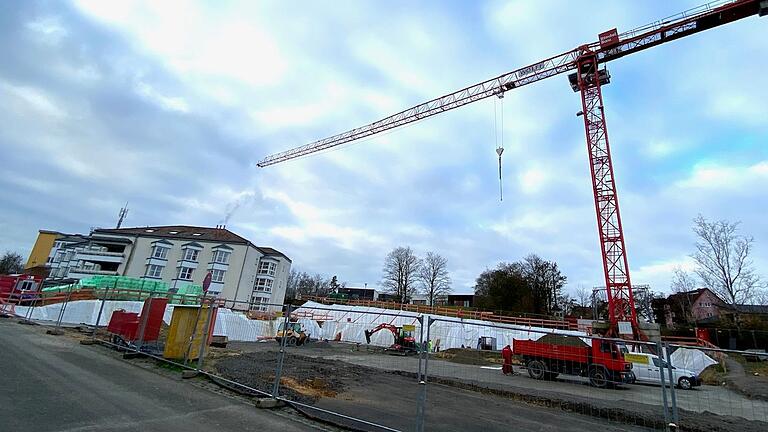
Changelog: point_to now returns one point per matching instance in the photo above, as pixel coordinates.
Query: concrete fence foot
(186, 374)
(132, 355)
(55, 332)
(268, 403)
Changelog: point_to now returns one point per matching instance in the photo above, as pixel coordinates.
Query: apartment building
(254, 276)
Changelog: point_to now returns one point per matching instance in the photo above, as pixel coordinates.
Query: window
(154, 271)
(217, 275)
(267, 268)
(190, 254)
(185, 273)
(160, 252)
(221, 256)
(263, 284)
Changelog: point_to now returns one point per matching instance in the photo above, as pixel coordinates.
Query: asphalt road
(54, 384)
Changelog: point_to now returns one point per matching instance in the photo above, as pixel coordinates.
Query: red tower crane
(587, 78)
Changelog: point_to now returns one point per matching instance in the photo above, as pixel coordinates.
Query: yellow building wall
(41, 249)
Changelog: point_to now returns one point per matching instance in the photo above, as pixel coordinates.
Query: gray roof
(751, 309)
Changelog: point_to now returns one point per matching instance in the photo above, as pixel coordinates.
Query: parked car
(647, 367)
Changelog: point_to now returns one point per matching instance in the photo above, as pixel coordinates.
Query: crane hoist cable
(499, 140)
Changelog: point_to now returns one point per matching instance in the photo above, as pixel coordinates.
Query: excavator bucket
(368, 336)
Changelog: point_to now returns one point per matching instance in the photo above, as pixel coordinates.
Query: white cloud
(167, 102)
(658, 273)
(533, 179)
(254, 78)
(35, 99)
(715, 176)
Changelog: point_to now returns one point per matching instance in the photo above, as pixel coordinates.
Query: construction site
(224, 347)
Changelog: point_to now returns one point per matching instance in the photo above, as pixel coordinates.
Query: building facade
(253, 277)
(47, 245)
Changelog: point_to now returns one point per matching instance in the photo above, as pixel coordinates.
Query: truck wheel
(598, 377)
(291, 341)
(536, 369)
(684, 383)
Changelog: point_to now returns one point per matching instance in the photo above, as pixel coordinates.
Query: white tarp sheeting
(352, 321)
(235, 325)
(692, 359)
(348, 321)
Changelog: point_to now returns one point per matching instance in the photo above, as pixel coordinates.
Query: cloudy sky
(169, 105)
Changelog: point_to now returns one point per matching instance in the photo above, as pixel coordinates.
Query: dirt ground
(304, 379)
(391, 396)
(741, 378)
(470, 357)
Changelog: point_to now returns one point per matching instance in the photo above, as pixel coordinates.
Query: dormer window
(190, 251)
(190, 254)
(160, 251)
(221, 256)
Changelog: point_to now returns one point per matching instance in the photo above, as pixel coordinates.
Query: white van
(646, 368)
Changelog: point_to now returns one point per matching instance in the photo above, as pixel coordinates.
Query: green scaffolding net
(127, 288)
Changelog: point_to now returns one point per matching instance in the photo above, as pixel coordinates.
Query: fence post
(659, 350)
(63, 308)
(279, 369)
(194, 331)
(668, 359)
(204, 339)
(31, 310)
(422, 398)
(101, 310)
(142, 329)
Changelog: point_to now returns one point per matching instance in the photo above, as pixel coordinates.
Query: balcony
(99, 256)
(82, 273)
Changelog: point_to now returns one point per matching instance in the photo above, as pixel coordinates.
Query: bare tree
(11, 263)
(401, 268)
(292, 283)
(722, 260)
(762, 296)
(434, 277)
(681, 284)
(644, 301)
(583, 295)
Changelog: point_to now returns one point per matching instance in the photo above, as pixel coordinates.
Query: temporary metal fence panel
(385, 369)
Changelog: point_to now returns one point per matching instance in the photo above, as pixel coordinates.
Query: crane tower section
(588, 80)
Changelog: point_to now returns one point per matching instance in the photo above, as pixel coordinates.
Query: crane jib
(610, 46)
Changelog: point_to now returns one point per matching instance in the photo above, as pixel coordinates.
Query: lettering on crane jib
(530, 69)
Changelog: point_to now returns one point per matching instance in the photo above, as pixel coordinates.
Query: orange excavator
(405, 342)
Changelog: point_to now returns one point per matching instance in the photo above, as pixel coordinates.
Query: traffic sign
(207, 282)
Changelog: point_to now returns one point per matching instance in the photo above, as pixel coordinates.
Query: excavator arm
(383, 326)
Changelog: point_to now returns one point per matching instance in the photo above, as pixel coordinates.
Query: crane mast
(587, 79)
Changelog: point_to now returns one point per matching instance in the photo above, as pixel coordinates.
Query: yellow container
(181, 330)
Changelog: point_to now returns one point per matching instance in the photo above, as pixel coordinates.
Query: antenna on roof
(121, 216)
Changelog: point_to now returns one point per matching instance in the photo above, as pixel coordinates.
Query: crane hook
(499, 151)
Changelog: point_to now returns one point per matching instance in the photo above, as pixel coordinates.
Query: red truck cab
(602, 361)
